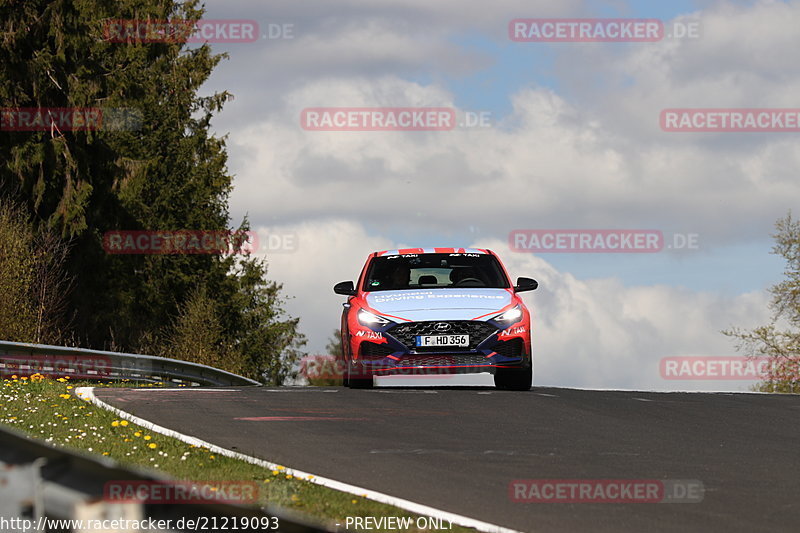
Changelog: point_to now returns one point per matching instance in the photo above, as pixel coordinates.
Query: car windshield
(434, 271)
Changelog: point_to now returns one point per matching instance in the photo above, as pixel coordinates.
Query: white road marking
(385, 391)
(183, 390)
(301, 389)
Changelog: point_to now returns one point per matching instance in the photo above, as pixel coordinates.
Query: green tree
(33, 284)
(197, 334)
(780, 339)
(169, 173)
(258, 326)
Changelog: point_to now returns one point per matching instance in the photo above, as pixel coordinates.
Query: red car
(427, 311)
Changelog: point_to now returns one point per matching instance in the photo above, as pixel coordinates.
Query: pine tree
(161, 170)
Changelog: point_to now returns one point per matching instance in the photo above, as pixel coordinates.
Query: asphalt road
(459, 449)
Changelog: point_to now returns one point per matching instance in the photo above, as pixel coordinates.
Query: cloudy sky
(571, 140)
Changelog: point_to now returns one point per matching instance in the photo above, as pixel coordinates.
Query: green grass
(49, 410)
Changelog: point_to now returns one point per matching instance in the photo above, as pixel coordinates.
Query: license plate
(442, 340)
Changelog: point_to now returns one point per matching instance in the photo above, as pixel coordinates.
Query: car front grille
(444, 360)
(477, 331)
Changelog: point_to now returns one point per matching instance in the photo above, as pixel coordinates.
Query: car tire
(361, 382)
(514, 378)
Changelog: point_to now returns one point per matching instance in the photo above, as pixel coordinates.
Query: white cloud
(586, 153)
(590, 155)
(326, 253)
(549, 166)
(599, 333)
(592, 333)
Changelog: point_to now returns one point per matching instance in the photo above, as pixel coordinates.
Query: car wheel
(514, 378)
(360, 382)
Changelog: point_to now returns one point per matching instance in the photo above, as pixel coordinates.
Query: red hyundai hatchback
(427, 311)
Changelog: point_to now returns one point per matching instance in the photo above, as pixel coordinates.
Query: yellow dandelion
(353, 501)
(275, 472)
(147, 437)
(115, 423)
(137, 434)
(123, 423)
(288, 476)
(152, 445)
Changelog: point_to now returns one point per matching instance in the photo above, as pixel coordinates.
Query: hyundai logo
(442, 326)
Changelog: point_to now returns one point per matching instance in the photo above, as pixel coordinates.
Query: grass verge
(49, 410)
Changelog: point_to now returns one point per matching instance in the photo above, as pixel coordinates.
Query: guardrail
(81, 363)
(40, 483)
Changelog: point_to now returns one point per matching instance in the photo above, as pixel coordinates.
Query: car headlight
(369, 319)
(510, 316)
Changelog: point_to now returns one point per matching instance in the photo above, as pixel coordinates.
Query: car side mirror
(526, 284)
(345, 287)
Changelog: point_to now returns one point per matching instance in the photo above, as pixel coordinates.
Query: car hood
(439, 304)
